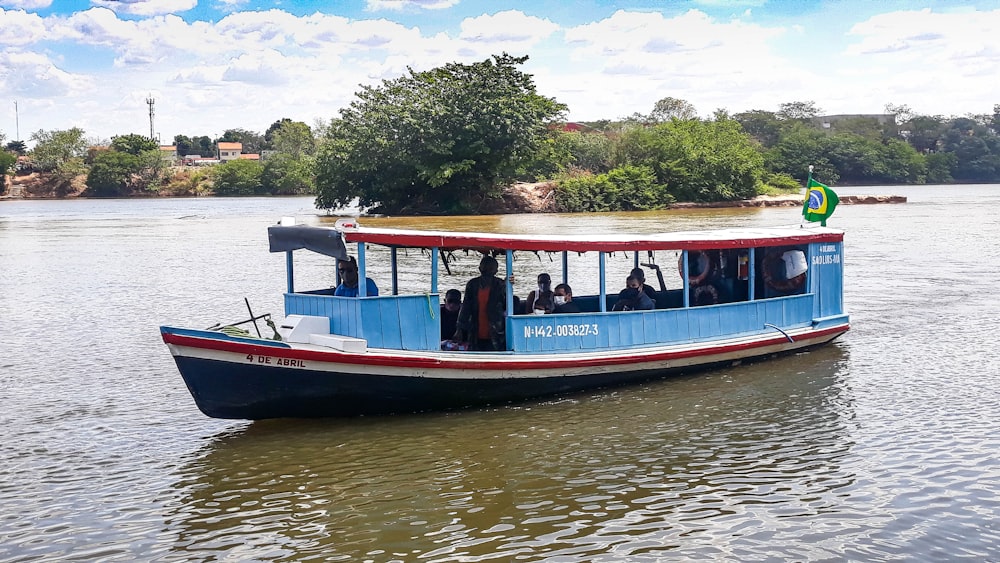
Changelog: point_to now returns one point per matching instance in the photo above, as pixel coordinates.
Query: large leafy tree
(697, 160)
(293, 138)
(133, 144)
(55, 148)
(445, 140)
(764, 126)
(111, 174)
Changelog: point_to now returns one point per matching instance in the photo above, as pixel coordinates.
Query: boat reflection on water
(666, 468)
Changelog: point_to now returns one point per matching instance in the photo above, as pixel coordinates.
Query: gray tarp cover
(323, 241)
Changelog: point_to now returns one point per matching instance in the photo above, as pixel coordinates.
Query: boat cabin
(724, 284)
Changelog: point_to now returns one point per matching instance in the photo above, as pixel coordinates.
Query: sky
(212, 65)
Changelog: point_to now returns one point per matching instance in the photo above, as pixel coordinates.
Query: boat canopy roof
(325, 239)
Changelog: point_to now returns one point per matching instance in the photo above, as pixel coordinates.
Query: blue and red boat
(744, 294)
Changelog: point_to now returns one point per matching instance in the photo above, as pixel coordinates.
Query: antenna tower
(150, 101)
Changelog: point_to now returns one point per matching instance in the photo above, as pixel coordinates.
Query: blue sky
(211, 65)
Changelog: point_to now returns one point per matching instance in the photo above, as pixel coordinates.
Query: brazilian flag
(820, 202)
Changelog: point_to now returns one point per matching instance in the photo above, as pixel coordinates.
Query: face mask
(543, 287)
(559, 299)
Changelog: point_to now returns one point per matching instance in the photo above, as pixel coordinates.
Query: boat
(744, 294)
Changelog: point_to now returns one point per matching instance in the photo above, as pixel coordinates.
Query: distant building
(230, 151)
(249, 156)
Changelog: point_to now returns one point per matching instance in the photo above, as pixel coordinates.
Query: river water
(882, 446)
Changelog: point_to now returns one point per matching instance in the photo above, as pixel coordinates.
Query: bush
(627, 188)
(238, 178)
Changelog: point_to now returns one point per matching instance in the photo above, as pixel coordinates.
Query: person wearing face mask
(540, 300)
(562, 297)
(633, 298)
(347, 271)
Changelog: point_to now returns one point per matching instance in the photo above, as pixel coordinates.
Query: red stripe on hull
(500, 363)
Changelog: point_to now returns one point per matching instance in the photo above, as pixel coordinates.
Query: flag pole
(805, 204)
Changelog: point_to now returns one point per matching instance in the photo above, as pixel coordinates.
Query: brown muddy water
(881, 446)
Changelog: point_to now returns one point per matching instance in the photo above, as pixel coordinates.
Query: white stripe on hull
(516, 366)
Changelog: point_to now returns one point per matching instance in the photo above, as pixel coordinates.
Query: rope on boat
(429, 307)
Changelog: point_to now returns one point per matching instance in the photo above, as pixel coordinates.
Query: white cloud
(266, 68)
(146, 7)
(401, 5)
(20, 28)
(26, 4)
(33, 75)
(925, 59)
(507, 27)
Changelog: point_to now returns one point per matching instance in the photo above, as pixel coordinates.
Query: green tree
(7, 162)
(798, 110)
(238, 177)
(111, 174)
(764, 126)
(204, 146)
(924, 132)
(17, 147)
(697, 160)
(672, 108)
(588, 151)
(976, 148)
(269, 134)
(55, 148)
(184, 145)
(799, 147)
(252, 141)
(286, 174)
(293, 138)
(445, 140)
(133, 144)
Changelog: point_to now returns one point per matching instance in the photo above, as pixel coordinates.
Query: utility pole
(151, 101)
(17, 122)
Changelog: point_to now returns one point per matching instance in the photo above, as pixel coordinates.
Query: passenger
(633, 297)
(348, 273)
(540, 301)
(449, 312)
(640, 275)
(562, 297)
(481, 318)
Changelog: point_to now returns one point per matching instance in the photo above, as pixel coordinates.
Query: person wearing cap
(449, 312)
(481, 317)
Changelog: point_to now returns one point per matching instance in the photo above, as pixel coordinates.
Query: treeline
(449, 140)
(134, 165)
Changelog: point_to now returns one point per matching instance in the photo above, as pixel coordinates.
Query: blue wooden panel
(406, 322)
(826, 271)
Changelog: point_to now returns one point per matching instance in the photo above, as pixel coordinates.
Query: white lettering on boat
(560, 330)
(821, 259)
(270, 360)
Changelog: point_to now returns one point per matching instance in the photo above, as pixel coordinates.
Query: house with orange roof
(229, 151)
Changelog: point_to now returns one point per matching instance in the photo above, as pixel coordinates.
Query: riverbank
(539, 198)
(522, 197)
